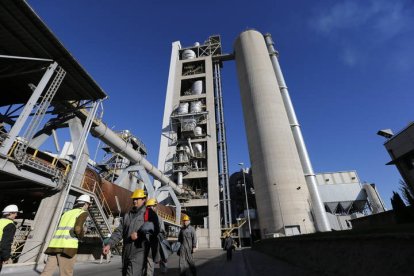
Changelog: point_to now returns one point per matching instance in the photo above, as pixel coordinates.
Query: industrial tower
(288, 199)
(193, 141)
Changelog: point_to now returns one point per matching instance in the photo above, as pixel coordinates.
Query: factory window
(193, 68)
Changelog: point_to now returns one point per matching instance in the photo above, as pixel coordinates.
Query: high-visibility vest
(62, 237)
(3, 223)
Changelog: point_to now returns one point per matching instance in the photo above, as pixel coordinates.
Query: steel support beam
(17, 127)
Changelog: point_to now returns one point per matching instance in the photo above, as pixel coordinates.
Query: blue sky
(348, 65)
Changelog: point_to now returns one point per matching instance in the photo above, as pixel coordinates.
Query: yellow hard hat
(151, 202)
(185, 217)
(138, 193)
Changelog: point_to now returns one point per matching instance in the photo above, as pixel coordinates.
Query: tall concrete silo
(282, 195)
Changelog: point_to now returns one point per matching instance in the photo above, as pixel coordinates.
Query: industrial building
(193, 148)
(345, 198)
(343, 194)
(48, 95)
(400, 147)
(193, 141)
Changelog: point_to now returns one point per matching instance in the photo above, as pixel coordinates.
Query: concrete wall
(380, 252)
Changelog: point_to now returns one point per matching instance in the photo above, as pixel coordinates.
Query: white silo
(281, 192)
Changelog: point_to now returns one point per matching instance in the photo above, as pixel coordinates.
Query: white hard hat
(84, 198)
(11, 209)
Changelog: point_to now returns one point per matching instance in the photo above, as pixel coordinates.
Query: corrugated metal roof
(23, 33)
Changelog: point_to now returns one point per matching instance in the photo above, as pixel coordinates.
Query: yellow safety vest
(62, 237)
(3, 223)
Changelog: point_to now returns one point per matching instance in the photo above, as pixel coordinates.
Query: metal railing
(234, 227)
(29, 157)
(95, 188)
(22, 232)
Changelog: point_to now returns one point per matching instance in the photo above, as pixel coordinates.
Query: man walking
(7, 231)
(63, 247)
(135, 245)
(188, 240)
(159, 249)
(228, 246)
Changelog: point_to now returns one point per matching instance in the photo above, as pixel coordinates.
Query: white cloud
(385, 17)
(349, 57)
(359, 27)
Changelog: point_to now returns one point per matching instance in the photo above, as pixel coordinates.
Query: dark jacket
(133, 221)
(228, 243)
(6, 241)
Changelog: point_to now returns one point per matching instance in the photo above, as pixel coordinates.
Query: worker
(157, 252)
(187, 238)
(63, 247)
(228, 246)
(135, 245)
(7, 231)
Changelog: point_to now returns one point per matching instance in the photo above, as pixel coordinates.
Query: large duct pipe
(374, 199)
(280, 186)
(106, 135)
(321, 218)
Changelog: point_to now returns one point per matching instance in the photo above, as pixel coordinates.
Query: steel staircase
(233, 227)
(97, 213)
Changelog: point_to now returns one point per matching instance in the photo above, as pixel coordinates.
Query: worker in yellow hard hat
(152, 202)
(188, 240)
(186, 218)
(155, 256)
(135, 245)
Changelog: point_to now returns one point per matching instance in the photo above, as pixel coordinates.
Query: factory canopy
(23, 34)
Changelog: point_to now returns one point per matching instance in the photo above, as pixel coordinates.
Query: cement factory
(46, 95)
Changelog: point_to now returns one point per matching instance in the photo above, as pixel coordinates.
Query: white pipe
(191, 147)
(374, 199)
(180, 179)
(106, 135)
(102, 132)
(321, 218)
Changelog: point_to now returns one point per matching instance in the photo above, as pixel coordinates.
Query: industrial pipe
(374, 199)
(321, 218)
(106, 135)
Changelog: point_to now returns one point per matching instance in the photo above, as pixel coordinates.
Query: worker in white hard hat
(7, 231)
(63, 247)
